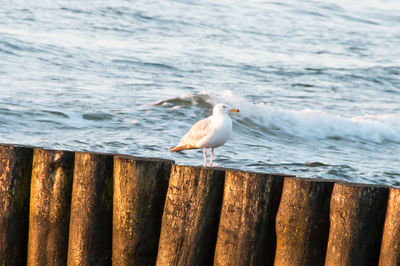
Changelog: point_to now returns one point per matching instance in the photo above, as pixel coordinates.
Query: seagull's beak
(234, 110)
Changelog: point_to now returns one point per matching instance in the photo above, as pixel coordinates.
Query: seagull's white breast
(221, 132)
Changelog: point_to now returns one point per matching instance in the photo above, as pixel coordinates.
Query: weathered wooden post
(140, 186)
(15, 180)
(302, 223)
(357, 215)
(390, 248)
(51, 187)
(191, 214)
(246, 234)
(90, 231)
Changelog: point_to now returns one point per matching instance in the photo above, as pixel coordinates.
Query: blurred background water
(317, 82)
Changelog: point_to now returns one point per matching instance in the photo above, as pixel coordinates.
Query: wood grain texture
(302, 223)
(390, 248)
(140, 187)
(357, 214)
(191, 214)
(50, 202)
(90, 231)
(15, 180)
(246, 234)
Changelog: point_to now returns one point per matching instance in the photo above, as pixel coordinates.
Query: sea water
(317, 82)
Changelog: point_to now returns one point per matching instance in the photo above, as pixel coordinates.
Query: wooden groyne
(82, 208)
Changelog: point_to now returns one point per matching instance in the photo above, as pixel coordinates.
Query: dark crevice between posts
(302, 222)
(390, 248)
(191, 215)
(140, 187)
(357, 215)
(246, 234)
(168, 214)
(15, 180)
(90, 231)
(51, 186)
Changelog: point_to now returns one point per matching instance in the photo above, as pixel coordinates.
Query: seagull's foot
(210, 165)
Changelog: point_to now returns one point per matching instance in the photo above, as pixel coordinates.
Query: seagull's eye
(224, 106)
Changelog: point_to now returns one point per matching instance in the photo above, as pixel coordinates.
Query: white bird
(210, 132)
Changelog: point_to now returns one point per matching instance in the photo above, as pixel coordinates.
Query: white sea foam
(318, 124)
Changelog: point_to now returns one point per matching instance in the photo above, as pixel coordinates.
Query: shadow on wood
(191, 214)
(15, 180)
(302, 223)
(246, 234)
(357, 215)
(51, 187)
(90, 231)
(390, 248)
(140, 186)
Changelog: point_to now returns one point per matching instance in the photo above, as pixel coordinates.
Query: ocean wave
(319, 124)
(305, 123)
(202, 100)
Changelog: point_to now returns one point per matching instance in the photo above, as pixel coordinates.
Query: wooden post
(191, 214)
(302, 223)
(357, 216)
(90, 231)
(15, 180)
(390, 248)
(140, 187)
(246, 234)
(51, 187)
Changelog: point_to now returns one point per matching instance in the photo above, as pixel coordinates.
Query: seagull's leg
(211, 158)
(205, 157)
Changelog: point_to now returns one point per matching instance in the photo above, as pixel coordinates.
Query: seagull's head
(223, 108)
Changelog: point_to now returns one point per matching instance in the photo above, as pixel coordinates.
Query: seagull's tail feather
(182, 147)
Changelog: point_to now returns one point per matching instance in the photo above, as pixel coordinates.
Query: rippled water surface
(317, 82)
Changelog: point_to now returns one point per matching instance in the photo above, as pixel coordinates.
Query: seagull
(210, 132)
